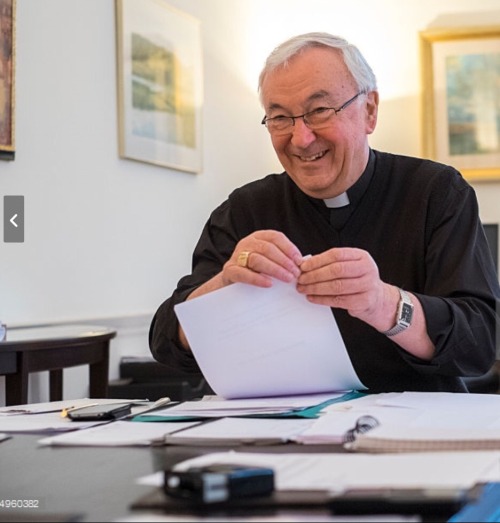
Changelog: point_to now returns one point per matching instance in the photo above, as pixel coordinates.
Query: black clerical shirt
(419, 221)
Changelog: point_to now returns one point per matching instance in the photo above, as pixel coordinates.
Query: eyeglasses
(316, 119)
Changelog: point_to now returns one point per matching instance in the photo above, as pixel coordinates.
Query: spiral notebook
(423, 421)
(421, 439)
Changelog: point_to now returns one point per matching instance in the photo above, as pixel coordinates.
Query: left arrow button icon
(13, 219)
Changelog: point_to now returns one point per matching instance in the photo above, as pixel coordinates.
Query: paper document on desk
(239, 431)
(321, 471)
(306, 406)
(411, 422)
(45, 418)
(117, 434)
(255, 342)
(433, 421)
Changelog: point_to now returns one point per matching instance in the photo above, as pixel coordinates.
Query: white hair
(355, 62)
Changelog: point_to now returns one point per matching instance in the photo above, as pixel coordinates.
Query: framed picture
(7, 78)
(159, 85)
(461, 99)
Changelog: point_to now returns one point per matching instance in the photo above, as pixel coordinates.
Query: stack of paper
(336, 472)
(399, 439)
(240, 431)
(117, 434)
(215, 407)
(421, 421)
(410, 422)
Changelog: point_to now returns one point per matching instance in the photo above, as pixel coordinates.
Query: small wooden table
(53, 348)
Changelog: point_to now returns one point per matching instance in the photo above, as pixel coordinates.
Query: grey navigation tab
(13, 219)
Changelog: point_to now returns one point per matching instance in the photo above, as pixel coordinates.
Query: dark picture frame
(7, 78)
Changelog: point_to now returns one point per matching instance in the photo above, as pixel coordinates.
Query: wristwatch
(405, 314)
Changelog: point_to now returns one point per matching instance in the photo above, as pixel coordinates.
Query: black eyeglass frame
(304, 116)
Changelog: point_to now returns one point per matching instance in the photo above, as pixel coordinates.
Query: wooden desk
(53, 348)
(100, 483)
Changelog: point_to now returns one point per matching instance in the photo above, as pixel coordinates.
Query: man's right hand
(256, 260)
(261, 256)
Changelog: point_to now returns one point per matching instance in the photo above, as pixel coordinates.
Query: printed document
(117, 434)
(216, 407)
(256, 342)
(324, 471)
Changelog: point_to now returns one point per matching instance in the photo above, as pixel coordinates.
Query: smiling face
(327, 161)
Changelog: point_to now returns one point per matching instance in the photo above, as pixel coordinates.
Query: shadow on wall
(393, 134)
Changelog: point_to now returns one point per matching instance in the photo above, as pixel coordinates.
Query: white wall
(107, 239)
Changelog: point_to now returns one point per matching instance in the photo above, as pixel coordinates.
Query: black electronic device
(219, 483)
(103, 412)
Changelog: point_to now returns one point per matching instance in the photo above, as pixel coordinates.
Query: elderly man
(396, 246)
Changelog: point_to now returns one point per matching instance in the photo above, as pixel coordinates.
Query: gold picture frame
(461, 99)
(159, 68)
(7, 78)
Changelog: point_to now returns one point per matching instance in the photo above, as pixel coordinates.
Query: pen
(161, 402)
(64, 412)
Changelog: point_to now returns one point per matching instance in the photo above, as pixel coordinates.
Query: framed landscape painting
(461, 99)
(7, 78)
(159, 84)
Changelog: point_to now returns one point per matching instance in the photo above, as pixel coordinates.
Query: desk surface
(97, 483)
(100, 483)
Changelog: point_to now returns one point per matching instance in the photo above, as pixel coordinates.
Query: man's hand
(256, 259)
(349, 279)
(261, 256)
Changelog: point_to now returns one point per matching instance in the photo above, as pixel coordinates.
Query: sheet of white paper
(440, 400)
(241, 430)
(254, 342)
(340, 471)
(41, 423)
(448, 410)
(117, 434)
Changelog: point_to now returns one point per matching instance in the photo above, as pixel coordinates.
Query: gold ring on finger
(242, 259)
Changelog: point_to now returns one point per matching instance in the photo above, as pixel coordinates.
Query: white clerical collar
(337, 201)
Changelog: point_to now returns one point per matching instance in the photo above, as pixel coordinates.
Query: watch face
(406, 313)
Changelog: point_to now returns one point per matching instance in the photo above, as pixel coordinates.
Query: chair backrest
(491, 231)
(489, 383)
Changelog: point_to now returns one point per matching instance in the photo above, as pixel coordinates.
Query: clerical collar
(354, 194)
(337, 201)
